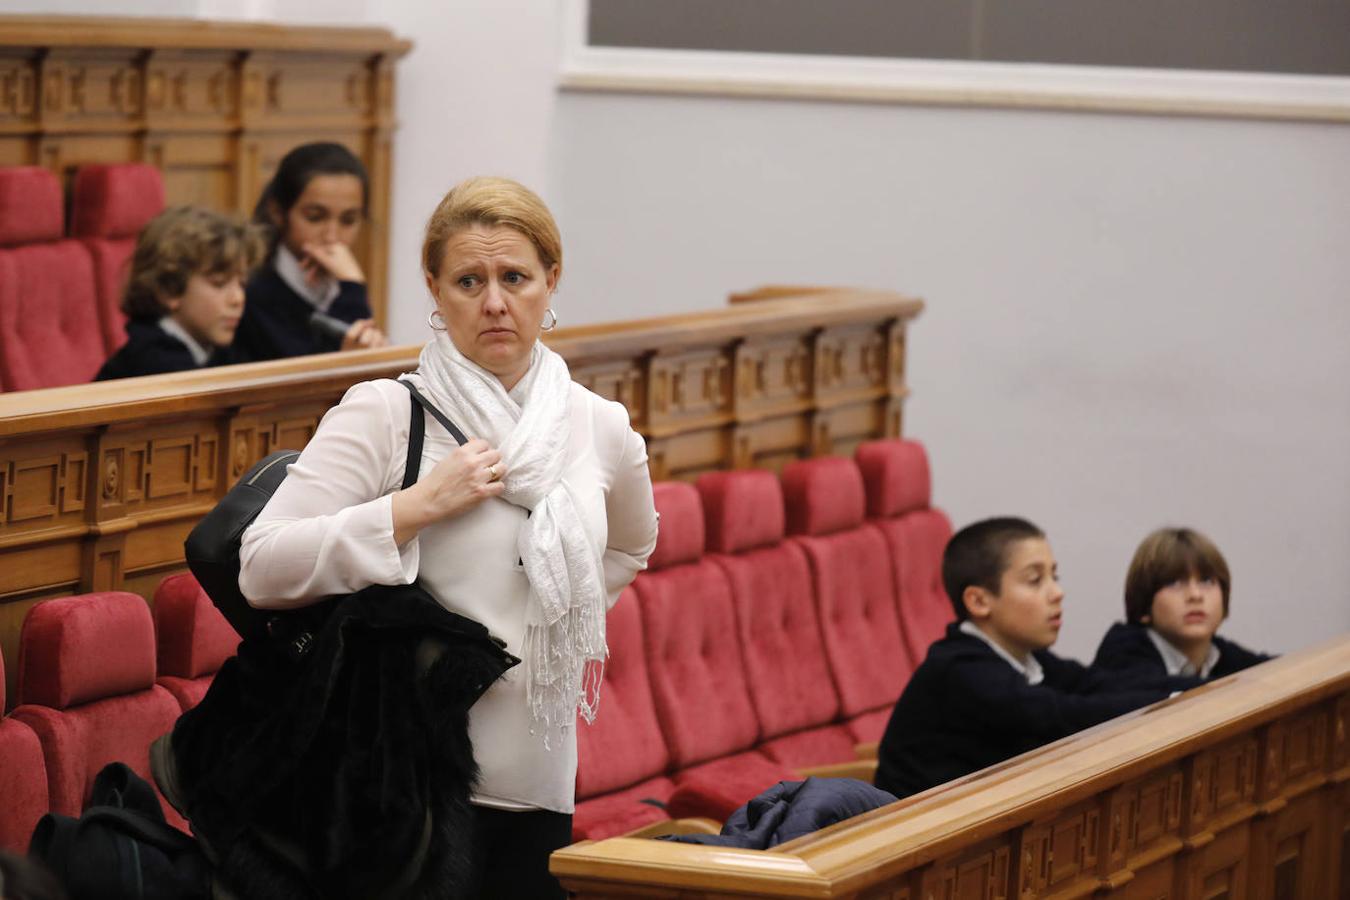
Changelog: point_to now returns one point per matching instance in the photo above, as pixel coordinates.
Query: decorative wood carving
(214, 105)
(100, 483)
(1240, 790)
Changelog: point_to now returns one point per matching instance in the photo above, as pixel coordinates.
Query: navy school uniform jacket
(965, 708)
(276, 319)
(1128, 656)
(150, 350)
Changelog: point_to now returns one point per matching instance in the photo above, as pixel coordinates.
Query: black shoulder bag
(212, 548)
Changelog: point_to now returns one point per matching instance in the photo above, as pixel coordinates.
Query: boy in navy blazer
(1176, 596)
(990, 689)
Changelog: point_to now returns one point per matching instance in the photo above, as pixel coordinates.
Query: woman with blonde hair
(531, 527)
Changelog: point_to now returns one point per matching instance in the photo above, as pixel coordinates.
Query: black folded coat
(347, 773)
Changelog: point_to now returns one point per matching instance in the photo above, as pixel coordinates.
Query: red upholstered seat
(624, 747)
(852, 581)
(109, 205)
(192, 638)
(776, 622)
(49, 327)
(23, 780)
(899, 491)
(694, 654)
(87, 682)
(619, 812)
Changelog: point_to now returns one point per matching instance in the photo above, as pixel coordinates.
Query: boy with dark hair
(1176, 596)
(990, 689)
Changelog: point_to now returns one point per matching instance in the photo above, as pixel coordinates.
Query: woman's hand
(334, 259)
(363, 335)
(466, 477)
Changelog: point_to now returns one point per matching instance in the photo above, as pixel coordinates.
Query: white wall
(1132, 320)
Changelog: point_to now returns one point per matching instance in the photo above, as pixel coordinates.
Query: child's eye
(350, 219)
(315, 215)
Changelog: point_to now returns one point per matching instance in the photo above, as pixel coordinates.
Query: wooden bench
(99, 484)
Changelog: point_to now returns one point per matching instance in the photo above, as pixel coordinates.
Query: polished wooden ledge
(196, 34)
(1238, 789)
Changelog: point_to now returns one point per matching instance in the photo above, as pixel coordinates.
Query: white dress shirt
(1030, 670)
(1178, 663)
(169, 325)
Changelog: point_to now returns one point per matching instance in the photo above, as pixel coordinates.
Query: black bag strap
(416, 430)
(436, 413)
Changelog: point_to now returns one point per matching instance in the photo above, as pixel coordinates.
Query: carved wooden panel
(1062, 853)
(1287, 850)
(1221, 788)
(622, 380)
(983, 872)
(1218, 871)
(773, 376)
(1294, 756)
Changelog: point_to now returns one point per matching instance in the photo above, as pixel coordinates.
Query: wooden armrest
(677, 826)
(861, 769)
(867, 750)
(776, 292)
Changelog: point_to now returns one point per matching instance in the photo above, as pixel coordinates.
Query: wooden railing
(1240, 789)
(100, 484)
(213, 105)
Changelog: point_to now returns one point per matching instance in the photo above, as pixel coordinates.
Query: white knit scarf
(564, 648)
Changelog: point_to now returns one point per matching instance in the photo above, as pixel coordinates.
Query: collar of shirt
(1177, 663)
(320, 295)
(1031, 670)
(199, 353)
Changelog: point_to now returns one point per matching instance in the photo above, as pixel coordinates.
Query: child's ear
(979, 602)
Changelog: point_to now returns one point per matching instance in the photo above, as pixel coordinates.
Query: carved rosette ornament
(240, 460)
(112, 478)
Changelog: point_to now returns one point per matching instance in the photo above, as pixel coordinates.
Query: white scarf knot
(564, 648)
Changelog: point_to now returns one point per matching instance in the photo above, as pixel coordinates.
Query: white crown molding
(946, 83)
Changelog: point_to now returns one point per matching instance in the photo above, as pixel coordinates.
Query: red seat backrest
(23, 780)
(192, 638)
(693, 651)
(899, 491)
(851, 577)
(49, 327)
(109, 205)
(624, 745)
(87, 685)
(786, 668)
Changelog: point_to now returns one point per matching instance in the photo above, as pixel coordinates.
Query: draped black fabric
(1127, 655)
(347, 774)
(791, 809)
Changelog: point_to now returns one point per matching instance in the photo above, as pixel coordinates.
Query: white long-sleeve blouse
(329, 530)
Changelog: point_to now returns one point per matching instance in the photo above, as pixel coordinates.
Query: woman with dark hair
(315, 206)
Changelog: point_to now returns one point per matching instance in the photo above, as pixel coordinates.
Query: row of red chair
(774, 628)
(98, 682)
(60, 291)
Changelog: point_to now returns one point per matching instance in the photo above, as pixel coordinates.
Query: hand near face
(335, 259)
(363, 335)
(466, 477)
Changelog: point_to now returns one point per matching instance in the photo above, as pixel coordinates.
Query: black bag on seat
(212, 548)
(121, 848)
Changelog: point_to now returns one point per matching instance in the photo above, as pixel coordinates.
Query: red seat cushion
(49, 333)
(898, 492)
(30, 206)
(775, 609)
(23, 780)
(86, 679)
(624, 745)
(110, 204)
(620, 812)
(689, 632)
(869, 726)
(718, 788)
(192, 638)
(852, 581)
(812, 747)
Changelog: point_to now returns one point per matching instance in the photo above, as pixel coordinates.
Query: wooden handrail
(194, 34)
(1266, 746)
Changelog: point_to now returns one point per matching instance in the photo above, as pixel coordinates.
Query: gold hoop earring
(552, 320)
(433, 317)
